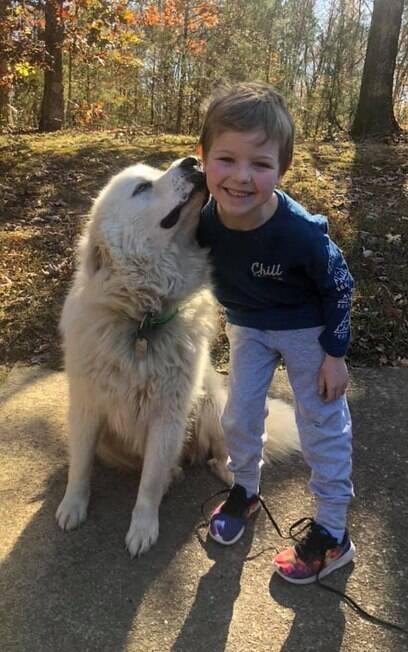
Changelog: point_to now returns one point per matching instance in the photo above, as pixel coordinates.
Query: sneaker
(314, 556)
(229, 519)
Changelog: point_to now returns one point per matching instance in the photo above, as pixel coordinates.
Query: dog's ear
(93, 254)
(93, 259)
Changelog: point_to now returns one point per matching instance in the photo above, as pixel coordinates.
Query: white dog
(136, 326)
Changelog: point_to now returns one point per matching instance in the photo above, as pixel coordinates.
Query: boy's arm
(335, 285)
(333, 378)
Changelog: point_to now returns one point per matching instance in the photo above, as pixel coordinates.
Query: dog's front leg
(162, 452)
(84, 426)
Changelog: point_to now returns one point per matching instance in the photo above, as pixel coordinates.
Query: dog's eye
(142, 187)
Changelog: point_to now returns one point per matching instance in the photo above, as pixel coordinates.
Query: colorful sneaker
(317, 553)
(229, 519)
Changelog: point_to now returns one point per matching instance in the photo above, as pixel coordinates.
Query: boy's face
(242, 171)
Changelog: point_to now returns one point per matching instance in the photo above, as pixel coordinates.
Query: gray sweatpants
(324, 428)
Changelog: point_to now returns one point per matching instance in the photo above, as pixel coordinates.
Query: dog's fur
(136, 392)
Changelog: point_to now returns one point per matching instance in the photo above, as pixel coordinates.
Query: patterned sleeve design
(335, 285)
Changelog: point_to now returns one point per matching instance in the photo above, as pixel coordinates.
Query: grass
(47, 183)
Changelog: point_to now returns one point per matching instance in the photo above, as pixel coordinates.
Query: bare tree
(52, 107)
(375, 112)
(4, 66)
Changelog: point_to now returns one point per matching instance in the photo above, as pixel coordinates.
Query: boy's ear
(199, 151)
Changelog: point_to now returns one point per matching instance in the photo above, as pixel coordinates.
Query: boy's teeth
(237, 193)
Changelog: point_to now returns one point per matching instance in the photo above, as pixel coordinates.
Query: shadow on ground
(81, 591)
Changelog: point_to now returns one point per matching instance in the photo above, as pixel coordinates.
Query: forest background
(152, 63)
(89, 86)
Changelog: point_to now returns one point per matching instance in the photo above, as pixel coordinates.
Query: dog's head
(145, 217)
(143, 208)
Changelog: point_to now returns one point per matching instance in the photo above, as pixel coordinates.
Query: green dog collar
(150, 321)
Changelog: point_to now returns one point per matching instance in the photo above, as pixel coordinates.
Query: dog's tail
(283, 435)
(282, 432)
(205, 439)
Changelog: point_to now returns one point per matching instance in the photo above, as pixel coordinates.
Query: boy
(287, 293)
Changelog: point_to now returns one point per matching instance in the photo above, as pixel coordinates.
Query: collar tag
(148, 322)
(141, 345)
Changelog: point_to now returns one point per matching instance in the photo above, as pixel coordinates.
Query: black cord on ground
(346, 598)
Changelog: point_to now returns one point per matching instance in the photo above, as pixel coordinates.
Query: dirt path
(80, 592)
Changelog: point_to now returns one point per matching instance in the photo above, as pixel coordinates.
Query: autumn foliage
(153, 62)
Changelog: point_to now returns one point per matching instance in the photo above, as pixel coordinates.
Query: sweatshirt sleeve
(335, 285)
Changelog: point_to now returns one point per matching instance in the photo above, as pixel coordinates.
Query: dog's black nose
(189, 162)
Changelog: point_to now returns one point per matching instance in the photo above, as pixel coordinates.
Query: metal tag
(141, 345)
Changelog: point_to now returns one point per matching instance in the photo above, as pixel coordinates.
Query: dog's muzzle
(192, 172)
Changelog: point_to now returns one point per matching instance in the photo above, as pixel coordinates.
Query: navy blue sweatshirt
(283, 275)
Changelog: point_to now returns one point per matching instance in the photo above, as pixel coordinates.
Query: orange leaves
(152, 16)
(170, 16)
(6, 80)
(196, 46)
(167, 16)
(129, 17)
(204, 14)
(86, 114)
(184, 22)
(178, 13)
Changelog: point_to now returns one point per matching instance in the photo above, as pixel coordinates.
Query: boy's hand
(333, 378)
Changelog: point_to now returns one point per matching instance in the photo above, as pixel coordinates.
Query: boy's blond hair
(249, 106)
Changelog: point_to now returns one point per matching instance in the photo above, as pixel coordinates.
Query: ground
(81, 591)
(48, 181)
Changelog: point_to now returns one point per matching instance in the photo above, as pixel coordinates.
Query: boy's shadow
(216, 595)
(319, 622)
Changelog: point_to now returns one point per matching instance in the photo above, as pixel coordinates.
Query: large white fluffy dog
(136, 326)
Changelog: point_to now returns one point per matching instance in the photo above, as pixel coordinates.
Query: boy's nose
(243, 174)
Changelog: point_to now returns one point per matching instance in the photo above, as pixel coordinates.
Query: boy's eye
(263, 164)
(226, 159)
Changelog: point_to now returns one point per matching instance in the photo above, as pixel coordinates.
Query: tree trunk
(183, 71)
(4, 96)
(4, 68)
(375, 112)
(68, 110)
(52, 107)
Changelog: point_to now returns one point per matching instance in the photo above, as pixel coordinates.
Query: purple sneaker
(317, 553)
(228, 520)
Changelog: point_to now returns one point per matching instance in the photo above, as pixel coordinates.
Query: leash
(382, 622)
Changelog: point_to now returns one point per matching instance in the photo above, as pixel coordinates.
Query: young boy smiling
(286, 290)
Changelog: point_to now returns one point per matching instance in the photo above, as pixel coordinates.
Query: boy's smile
(242, 170)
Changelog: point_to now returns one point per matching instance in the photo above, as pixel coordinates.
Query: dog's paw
(143, 532)
(72, 511)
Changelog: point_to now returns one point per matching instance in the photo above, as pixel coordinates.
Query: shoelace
(234, 503)
(304, 524)
(314, 543)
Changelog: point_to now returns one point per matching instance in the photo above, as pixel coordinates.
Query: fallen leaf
(393, 239)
